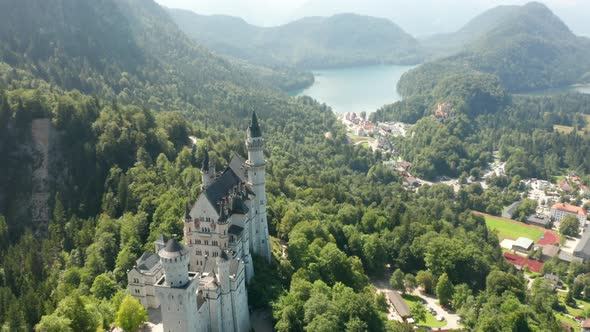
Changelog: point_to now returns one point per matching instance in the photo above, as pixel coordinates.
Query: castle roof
(235, 230)
(173, 249)
(221, 186)
(254, 127)
(239, 206)
(147, 261)
(237, 165)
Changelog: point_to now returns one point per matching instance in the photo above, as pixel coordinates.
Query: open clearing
(513, 230)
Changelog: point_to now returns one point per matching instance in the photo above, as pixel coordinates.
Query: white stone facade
(227, 222)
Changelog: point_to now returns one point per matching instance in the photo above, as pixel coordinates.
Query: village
(526, 244)
(376, 136)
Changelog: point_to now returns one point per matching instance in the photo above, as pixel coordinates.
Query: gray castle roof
(221, 186)
(173, 249)
(235, 230)
(237, 165)
(147, 261)
(254, 127)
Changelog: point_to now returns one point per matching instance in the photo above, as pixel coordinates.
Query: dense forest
(527, 47)
(479, 117)
(124, 88)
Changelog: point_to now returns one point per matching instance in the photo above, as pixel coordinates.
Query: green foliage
(53, 323)
(77, 310)
(444, 289)
(103, 287)
(523, 47)
(397, 280)
(524, 210)
(418, 312)
(570, 226)
(131, 314)
(426, 280)
(410, 282)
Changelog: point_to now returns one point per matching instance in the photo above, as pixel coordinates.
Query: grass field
(511, 230)
(577, 311)
(568, 129)
(430, 319)
(562, 318)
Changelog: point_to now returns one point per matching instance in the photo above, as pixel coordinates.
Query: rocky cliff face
(30, 174)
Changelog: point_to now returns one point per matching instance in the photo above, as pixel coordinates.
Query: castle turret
(177, 289)
(174, 258)
(256, 166)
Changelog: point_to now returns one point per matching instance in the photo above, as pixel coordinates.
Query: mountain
(449, 43)
(91, 46)
(339, 40)
(123, 52)
(527, 47)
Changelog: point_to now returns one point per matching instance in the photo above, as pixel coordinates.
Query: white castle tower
(177, 290)
(255, 166)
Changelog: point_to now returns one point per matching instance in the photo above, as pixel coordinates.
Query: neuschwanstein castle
(201, 285)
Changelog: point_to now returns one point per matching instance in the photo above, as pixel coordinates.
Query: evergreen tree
(444, 289)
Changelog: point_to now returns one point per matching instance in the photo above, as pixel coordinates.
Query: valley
(165, 169)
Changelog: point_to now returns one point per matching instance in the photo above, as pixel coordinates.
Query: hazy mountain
(419, 17)
(339, 40)
(527, 47)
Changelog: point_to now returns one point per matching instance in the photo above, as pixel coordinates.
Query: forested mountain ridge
(112, 49)
(131, 171)
(312, 42)
(527, 47)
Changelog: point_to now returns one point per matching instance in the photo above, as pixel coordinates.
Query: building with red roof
(561, 210)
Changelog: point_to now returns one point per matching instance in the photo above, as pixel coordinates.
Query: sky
(418, 17)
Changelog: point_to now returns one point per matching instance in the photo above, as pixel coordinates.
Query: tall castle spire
(254, 128)
(256, 166)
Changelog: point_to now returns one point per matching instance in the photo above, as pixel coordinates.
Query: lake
(356, 89)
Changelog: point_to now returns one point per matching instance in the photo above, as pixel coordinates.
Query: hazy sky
(418, 17)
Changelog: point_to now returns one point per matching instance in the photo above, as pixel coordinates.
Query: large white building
(201, 285)
(560, 210)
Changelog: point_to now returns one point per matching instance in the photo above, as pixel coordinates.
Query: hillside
(339, 40)
(527, 47)
(449, 43)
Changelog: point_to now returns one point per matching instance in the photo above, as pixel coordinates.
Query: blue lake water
(356, 89)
